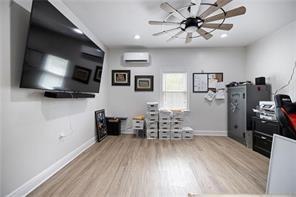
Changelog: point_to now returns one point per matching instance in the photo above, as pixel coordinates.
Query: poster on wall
(200, 83)
(101, 126)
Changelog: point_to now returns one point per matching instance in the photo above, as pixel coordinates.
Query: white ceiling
(115, 22)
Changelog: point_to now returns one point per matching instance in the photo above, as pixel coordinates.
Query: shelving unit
(151, 120)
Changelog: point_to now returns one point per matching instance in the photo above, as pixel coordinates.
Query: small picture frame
(144, 83)
(81, 74)
(98, 74)
(121, 77)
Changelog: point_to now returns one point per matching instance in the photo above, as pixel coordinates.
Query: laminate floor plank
(128, 166)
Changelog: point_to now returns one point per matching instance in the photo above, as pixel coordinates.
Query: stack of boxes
(177, 125)
(151, 120)
(187, 133)
(165, 124)
(138, 126)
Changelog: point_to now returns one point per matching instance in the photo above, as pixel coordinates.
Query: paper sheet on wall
(210, 96)
(220, 95)
(213, 83)
(220, 86)
(200, 83)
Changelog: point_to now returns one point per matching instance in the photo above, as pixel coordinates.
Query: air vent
(136, 58)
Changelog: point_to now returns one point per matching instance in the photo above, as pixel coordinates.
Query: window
(175, 91)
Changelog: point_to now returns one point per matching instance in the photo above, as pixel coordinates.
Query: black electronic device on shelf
(64, 95)
(59, 57)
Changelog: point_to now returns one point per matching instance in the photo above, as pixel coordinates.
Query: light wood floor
(128, 166)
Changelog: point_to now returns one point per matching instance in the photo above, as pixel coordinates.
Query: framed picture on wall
(98, 74)
(121, 77)
(144, 83)
(81, 74)
(101, 126)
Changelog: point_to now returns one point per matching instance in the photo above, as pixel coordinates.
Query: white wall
(3, 18)
(203, 117)
(31, 122)
(274, 57)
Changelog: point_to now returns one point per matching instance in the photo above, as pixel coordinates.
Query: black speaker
(66, 95)
(260, 81)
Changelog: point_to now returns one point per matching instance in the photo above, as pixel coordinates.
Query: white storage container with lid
(138, 124)
(187, 133)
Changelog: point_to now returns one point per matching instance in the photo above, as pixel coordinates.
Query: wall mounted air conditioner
(136, 58)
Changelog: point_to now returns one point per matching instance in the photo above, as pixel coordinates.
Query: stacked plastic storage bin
(187, 133)
(138, 126)
(177, 124)
(165, 124)
(151, 120)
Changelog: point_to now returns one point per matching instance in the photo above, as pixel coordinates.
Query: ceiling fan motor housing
(192, 24)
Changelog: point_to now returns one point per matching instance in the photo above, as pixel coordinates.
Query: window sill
(186, 110)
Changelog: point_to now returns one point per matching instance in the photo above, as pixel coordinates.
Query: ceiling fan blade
(175, 36)
(194, 8)
(225, 27)
(166, 31)
(219, 4)
(188, 38)
(170, 9)
(163, 23)
(206, 35)
(232, 13)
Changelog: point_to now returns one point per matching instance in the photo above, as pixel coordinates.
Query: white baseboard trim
(128, 132)
(196, 133)
(36, 181)
(210, 133)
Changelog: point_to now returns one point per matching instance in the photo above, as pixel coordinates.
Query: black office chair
(285, 112)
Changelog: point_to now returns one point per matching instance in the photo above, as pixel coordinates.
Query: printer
(266, 110)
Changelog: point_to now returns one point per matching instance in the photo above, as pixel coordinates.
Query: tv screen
(59, 56)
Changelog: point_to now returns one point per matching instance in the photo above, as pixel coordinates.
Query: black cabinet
(263, 131)
(114, 125)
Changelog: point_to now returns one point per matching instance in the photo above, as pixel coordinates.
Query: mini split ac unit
(136, 58)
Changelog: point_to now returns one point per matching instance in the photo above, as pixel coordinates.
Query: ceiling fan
(193, 23)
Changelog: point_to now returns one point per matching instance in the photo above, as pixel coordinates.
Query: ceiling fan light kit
(194, 24)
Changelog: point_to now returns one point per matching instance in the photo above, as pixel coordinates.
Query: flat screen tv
(58, 55)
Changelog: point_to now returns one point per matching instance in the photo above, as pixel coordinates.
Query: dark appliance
(260, 81)
(59, 57)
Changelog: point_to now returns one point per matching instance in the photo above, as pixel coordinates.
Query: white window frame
(188, 88)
